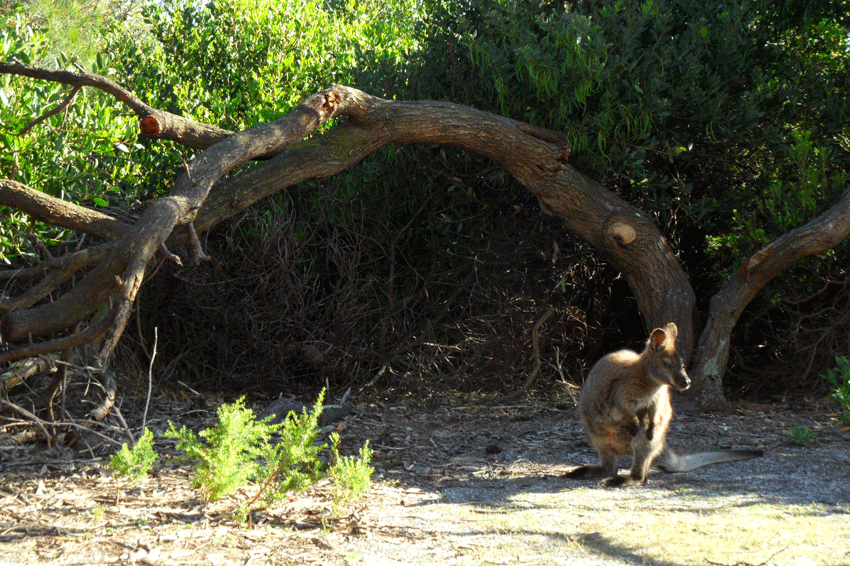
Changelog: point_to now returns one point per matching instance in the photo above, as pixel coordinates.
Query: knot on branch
(324, 104)
(621, 231)
(752, 263)
(149, 126)
(549, 136)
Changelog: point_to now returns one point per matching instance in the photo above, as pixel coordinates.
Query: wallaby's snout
(681, 381)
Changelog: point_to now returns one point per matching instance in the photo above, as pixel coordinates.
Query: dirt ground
(455, 483)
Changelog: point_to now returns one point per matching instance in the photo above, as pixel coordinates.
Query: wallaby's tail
(670, 462)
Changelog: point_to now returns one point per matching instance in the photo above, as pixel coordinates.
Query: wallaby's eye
(668, 364)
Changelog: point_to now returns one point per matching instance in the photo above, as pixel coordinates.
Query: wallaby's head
(665, 365)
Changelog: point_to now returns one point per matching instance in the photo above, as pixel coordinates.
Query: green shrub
(293, 462)
(839, 378)
(240, 450)
(134, 463)
(350, 476)
(801, 435)
(226, 455)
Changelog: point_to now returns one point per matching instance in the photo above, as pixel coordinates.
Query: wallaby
(625, 407)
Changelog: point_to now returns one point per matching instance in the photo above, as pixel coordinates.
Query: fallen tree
(537, 157)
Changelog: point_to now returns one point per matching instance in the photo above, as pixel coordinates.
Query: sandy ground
(455, 483)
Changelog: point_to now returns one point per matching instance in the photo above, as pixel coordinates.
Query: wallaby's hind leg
(607, 467)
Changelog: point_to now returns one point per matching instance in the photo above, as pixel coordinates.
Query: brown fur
(626, 411)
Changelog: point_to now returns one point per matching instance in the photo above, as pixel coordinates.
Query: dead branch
(64, 268)
(57, 212)
(31, 349)
(535, 351)
(153, 123)
(41, 424)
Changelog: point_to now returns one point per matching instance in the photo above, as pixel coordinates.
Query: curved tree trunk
(629, 239)
(536, 157)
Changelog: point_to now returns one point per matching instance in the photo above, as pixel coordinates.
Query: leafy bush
(681, 105)
(292, 463)
(86, 154)
(240, 63)
(726, 123)
(839, 378)
(134, 463)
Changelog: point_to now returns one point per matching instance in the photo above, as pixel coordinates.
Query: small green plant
(134, 463)
(293, 463)
(801, 435)
(240, 450)
(227, 454)
(839, 378)
(350, 476)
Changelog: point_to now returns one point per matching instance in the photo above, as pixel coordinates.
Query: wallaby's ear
(656, 339)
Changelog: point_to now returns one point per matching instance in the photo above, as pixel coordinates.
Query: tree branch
(52, 112)
(712, 355)
(124, 265)
(586, 207)
(58, 212)
(153, 123)
(537, 158)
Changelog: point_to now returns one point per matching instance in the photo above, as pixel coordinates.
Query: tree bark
(58, 212)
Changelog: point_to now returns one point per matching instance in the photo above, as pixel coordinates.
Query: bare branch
(58, 212)
(153, 123)
(34, 349)
(535, 351)
(63, 269)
